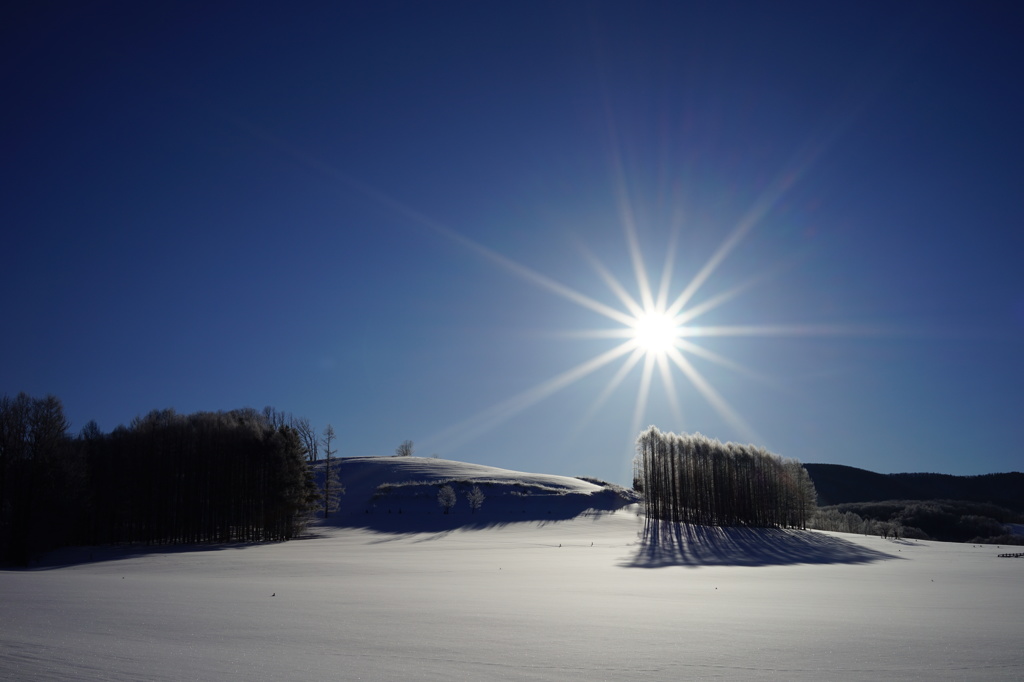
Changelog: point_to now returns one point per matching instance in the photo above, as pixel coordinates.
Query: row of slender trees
(690, 478)
(165, 478)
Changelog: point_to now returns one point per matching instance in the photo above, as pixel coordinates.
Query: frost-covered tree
(333, 489)
(446, 498)
(475, 498)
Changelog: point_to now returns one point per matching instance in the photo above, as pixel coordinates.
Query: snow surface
(592, 597)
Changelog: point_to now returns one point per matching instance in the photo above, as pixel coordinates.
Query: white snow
(585, 598)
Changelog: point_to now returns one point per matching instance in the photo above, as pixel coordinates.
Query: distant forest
(690, 478)
(166, 478)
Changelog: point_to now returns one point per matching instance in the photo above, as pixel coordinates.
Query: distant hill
(838, 484)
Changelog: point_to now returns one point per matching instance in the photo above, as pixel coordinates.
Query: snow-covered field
(494, 596)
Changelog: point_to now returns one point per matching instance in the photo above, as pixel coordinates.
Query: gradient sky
(405, 218)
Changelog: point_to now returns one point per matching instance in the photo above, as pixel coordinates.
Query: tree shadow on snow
(664, 543)
(75, 556)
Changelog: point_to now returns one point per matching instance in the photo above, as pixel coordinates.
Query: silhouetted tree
(308, 436)
(40, 476)
(405, 449)
(278, 418)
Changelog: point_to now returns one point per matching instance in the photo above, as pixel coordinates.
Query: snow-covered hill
(401, 494)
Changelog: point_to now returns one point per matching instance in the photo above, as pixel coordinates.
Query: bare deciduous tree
(308, 436)
(405, 449)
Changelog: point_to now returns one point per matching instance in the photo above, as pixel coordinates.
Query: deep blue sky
(379, 215)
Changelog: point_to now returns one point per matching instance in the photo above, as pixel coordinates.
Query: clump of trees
(166, 478)
(690, 478)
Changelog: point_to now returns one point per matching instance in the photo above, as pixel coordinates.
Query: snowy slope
(594, 597)
(401, 494)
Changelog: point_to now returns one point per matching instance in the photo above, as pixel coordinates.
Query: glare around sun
(655, 332)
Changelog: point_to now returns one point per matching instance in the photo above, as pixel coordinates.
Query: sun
(655, 332)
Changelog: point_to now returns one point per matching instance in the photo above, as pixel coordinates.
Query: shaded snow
(593, 597)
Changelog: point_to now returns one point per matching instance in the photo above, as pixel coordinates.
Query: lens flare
(652, 332)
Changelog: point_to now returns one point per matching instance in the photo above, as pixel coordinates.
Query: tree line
(240, 475)
(690, 478)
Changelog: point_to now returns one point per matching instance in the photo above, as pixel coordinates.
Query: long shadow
(665, 543)
(391, 519)
(75, 556)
